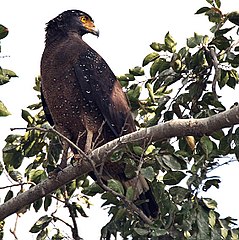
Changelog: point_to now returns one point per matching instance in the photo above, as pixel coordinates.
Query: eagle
(83, 99)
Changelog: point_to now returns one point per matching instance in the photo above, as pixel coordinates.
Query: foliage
(5, 74)
(182, 83)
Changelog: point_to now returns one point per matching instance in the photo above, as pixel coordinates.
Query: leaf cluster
(5, 74)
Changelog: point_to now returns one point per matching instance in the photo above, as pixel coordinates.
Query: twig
(13, 232)
(57, 218)
(74, 229)
(18, 184)
(217, 74)
(58, 199)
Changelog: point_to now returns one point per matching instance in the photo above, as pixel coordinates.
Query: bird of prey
(81, 96)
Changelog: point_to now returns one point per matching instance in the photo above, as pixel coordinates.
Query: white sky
(127, 28)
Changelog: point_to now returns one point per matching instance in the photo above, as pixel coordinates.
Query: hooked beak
(90, 27)
(95, 31)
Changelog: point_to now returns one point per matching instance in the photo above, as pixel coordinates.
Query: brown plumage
(82, 97)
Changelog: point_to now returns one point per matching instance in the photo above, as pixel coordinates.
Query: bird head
(71, 21)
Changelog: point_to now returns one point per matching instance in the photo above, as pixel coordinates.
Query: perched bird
(82, 98)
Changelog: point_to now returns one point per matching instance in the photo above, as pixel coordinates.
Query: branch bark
(180, 127)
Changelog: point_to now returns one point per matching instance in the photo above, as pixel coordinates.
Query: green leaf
(157, 46)
(150, 90)
(170, 43)
(214, 15)
(141, 231)
(92, 190)
(218, 134)
(3, 110)
(179, 194)
(58, 235)
(211, 182)
(27, 117)
(41, 223)
(12, 137)
(149, 150)
(196, 40)
(225, 144)
(158, 232)
(234, 17)
(130, 168)
(71, 187)
(110, 199)
(3, 79)
(37, 175)
(221, 42)
(202, 10)
(138, 150)
(137, 71)
(80, 209)
(224, 233)
(126, 77)
(206, 144)
(155, 67)
(210, 203)
(12, 156)
(173, 177)
(116, 186)
(150, 57)
(1, 170)
(233, 77)
(15, 175)
(120, 214)
(224, 78)
(218, 3)
(130, 193)
(223, 31)
(212, 218)
(202, 224)
(191, 42)
(3, 31)
(42, 235)
(8, 196)
(9, 73)
(148, 173)
(5, 75)
(134, 92)
(37, 204)
(171, 161)
(47, 202)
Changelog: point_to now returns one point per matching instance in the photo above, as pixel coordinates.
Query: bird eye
(83, 19)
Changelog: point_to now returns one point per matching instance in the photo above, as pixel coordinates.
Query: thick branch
(181, 127)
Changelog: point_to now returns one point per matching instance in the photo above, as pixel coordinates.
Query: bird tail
(144, 195)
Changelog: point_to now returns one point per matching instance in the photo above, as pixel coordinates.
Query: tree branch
(217, 75)
(180, 127)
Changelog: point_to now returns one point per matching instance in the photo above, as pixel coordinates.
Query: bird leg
(88, 143)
